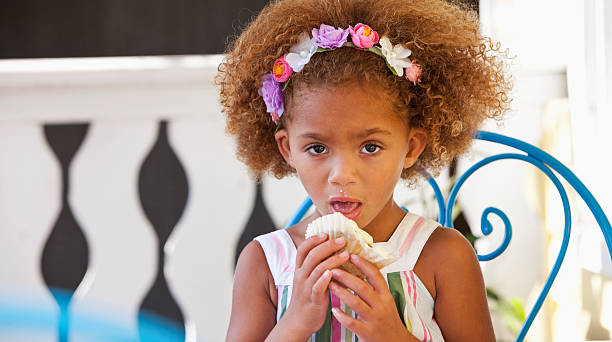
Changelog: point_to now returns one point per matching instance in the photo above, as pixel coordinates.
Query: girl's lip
(343, 199)
(349, 213)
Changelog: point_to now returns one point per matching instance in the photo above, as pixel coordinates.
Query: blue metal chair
(543, 161)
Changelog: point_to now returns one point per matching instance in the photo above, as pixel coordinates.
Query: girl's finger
(321, 252)
(354, 325)
(320, 286)
(375, 278)
(306, 246)
(359, 286)
(355, 303)
(332, 262)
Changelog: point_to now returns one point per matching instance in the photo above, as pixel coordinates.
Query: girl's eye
(317, 149)
(370, 148)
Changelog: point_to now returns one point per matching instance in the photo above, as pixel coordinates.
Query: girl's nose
(343, 171)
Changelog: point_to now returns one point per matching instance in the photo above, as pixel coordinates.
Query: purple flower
(329, 37)
(272, 95)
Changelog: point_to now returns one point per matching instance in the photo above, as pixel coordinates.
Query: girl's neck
(384, 224)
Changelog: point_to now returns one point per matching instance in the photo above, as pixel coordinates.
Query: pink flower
(281, 70)
(413, 73)
(363, 36)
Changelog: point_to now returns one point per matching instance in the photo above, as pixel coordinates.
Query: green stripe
(284, 301)
(348, 334)
(397, 291)
(324, 334)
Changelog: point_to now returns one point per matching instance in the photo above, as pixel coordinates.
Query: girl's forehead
(346, 112)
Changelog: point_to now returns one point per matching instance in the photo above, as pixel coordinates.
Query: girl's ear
(417, 140)
(282, 141)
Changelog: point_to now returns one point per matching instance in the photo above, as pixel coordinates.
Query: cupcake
(358, 241)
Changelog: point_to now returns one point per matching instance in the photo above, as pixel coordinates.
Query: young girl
(353, 96)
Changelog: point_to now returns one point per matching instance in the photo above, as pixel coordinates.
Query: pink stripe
(413, 289)
(410, 236)
(336, 333)
(425, 336)
(281, 254)
(408, 285)
(426, 332)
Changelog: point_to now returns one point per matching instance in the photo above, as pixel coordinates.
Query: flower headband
(327, 38)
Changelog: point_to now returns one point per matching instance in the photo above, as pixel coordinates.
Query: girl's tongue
(344, 207)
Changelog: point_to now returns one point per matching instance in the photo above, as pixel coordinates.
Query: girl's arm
(461, 309)
(253, 313)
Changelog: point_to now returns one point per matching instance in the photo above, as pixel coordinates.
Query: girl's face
(349, 149)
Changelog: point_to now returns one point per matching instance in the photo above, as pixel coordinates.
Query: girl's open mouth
(348, 207)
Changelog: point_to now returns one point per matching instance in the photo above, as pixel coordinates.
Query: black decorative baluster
(259, 223)
(163, 192)
(65, 255)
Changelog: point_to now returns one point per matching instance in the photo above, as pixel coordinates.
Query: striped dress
(413, 300)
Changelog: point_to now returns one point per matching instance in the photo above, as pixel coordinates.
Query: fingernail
(344, 254)
(326, 273)
(322, 235)
(335, 311)
(354, 257)
(340, 241)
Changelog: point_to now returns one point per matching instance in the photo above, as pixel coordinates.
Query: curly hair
(464, 79)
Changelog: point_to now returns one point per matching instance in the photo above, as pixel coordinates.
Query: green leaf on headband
(349, 44)
(320, 49)
(377, 51)
(278, 127)
(391, 68)
(286, 84)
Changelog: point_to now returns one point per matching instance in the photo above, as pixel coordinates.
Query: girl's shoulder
(447, 244)
(459, 289)
(252, 265)
(447, 257)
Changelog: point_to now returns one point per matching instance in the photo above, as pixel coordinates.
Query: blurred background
(120, 194)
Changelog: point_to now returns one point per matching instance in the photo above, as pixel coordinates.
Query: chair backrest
(543, 161)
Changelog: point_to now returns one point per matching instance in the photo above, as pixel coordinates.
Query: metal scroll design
(543, 161)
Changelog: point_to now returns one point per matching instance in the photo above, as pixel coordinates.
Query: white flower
(299, 54)
(396, 55)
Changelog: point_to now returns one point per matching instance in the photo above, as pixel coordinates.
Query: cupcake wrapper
(357, 241)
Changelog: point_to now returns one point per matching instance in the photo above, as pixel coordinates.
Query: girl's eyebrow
(375, 130)
(363, 134)
(311, 135)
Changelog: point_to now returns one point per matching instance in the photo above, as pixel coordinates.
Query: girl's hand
(377, 316)
(310, 299)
